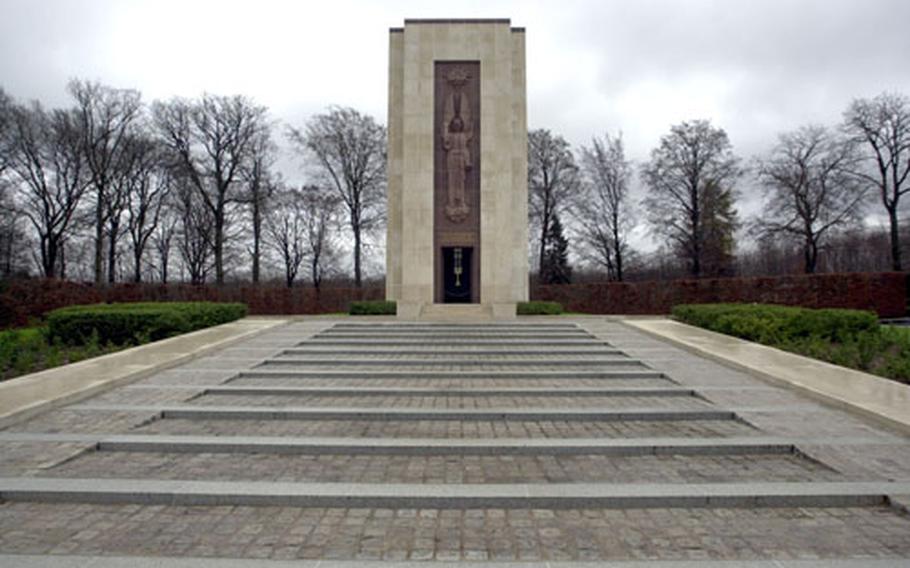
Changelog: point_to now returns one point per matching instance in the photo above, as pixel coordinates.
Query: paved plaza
(350, 442)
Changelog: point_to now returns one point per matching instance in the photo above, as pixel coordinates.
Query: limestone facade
(412, 268)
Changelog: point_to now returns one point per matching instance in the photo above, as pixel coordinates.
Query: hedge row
(138, 322)
(884, 293)
(539, 308)
(849, 338)
(777, 324)
(373, 308)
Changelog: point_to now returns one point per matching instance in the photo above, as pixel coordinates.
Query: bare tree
(350, 150)
(163, 236)
(690, 178)
(213, 139)
(287, 233)
(604, 212)
(300, 229)
(45, 156)
(320, 213)
(149, 184)
(883, 126)
(106, 116)
(12, 236)
(552, 182)
(810, 188)
(7, 108)
(196, 232)
(260, 186)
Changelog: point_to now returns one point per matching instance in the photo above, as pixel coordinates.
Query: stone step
(305, 350)
(398, 334)
(437, 447)
(450, 362)
(385, 414)
(436, 344)
(447, 401)
(446, 375)
(479, 392)
(446, 313)
(450, 496)
(454, 326)
(455, 383)
(454, 429)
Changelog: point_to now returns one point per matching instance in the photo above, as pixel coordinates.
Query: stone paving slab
(84, 421)
(27, 457)
(479, 535)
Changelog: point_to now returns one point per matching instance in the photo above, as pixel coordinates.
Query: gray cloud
(754, 67)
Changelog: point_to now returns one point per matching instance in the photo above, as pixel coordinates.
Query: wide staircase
(481, 442)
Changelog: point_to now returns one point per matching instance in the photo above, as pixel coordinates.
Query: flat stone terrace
(543, 441)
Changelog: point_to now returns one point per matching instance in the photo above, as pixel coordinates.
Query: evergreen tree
(555, 268)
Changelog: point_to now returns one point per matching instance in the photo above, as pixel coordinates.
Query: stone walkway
(539, 441)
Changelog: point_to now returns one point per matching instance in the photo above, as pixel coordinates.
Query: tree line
(819, 183)
(115, 189)
(111, 188)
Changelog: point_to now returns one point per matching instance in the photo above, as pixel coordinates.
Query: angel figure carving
(456, 141)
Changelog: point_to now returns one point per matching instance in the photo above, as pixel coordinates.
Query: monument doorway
(456, 275)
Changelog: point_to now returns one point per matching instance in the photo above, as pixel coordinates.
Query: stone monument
(458, 196)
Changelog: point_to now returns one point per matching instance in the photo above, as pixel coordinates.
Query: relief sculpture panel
(456, 162)
(456, 144)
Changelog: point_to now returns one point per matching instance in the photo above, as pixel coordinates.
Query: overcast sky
(754, 67)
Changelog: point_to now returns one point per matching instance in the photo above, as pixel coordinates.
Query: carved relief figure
(456, 141)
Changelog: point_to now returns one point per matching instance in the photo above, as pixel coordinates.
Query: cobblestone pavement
(449, 468)
(473, 534)
(830, 446)
(455, 429)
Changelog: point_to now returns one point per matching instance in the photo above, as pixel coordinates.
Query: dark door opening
(456, 275)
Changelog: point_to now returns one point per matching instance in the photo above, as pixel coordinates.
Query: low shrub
(850, 338)
(27, 350)
(539, 308)
(122, 324)
(373, 308)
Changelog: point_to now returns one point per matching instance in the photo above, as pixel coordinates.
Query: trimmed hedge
(539, 308)
(850, 338)
(121, 324)
(373, 308)
(777, 324)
